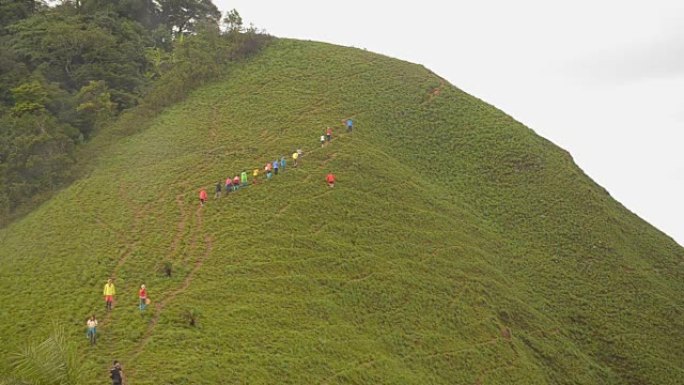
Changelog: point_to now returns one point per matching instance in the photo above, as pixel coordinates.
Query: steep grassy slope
(457, 247)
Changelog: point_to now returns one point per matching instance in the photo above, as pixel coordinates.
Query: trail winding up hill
(458, 247)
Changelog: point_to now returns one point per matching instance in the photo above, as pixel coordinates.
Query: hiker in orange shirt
(203, 196)
(268, 168)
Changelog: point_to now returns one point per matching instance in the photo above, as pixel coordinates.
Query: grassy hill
(458, 247)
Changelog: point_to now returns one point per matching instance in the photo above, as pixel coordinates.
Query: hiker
(255, 175)
(229, 185)
(91, 323)
(276, 166)
(349, 123)
(267, 169)
(328, 134)
(117, 374)
(330, 178)
(218, 190)
(295, 155)
(282, 163)
(236, 183)
(243, 178)
(322, 140)
(108, 292)
(142, 295)
(203, 196)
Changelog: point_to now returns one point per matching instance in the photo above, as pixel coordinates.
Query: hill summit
(457, 246)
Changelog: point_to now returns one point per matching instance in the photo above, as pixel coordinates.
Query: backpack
(115, 374)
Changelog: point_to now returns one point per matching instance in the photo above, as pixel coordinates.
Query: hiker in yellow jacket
(108, 292)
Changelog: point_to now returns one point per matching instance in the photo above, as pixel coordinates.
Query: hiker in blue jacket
(276, 166)
(349, 123)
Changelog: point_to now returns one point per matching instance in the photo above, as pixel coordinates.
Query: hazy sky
(604, 79)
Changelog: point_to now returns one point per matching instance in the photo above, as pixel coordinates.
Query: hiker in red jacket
(142, 296)
(203, 196)
(330, 178)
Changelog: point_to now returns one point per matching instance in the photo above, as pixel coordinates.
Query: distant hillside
(458, 247)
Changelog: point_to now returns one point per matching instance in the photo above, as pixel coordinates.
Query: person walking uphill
(91, 324)
(109, 292)
(218, 190)
(276, 166)
(349, 123)
(243, 178)
(328, 134)
(203, 196)
(142, 296)
(330, 178)
(295, 155)
(229, 184)
(117, 374)
(267, 170)
(283, 163)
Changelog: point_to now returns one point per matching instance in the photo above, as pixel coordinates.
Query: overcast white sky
(604, 79)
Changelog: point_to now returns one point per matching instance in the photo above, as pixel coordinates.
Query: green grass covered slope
(458, 247)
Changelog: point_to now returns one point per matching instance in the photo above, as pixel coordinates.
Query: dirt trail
(436, 91)
(322, 165)
(132, 244)
(180, 228)
(199, 261)
(129, 246)
(195, 233)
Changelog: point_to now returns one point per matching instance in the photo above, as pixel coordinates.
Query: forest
(70, 68)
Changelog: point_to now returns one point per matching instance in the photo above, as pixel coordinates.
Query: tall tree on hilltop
(233, 22)
(183, 16)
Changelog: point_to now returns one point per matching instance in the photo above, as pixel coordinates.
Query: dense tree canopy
(69, 68)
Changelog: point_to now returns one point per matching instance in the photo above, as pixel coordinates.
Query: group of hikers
(270, 169)
(231, 185)
(109, 292)
(242, 180)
